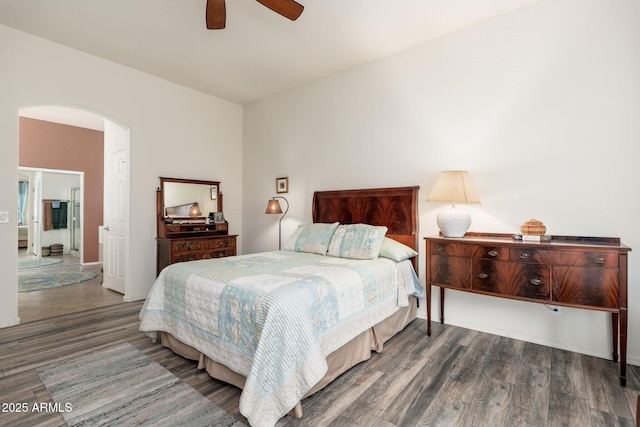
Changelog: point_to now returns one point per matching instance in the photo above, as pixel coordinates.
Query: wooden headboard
(396, 208)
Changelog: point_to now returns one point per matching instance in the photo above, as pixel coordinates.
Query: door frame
(36, 205)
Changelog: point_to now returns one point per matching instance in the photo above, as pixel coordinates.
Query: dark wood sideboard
(580, 272)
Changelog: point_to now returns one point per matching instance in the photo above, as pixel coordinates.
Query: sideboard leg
(623, 347)
(428, 297)
(442, 305)
(614, 334)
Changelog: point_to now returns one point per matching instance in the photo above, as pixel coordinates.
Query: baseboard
(589, 351)
(128, 298)
(15, 322)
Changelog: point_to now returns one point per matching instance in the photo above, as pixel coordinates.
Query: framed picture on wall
(282, 185)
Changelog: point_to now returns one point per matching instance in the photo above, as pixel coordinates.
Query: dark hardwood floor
(456, 377)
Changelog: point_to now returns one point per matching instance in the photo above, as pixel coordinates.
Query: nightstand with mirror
(190, 222)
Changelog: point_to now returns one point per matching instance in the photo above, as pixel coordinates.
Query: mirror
(189, 199)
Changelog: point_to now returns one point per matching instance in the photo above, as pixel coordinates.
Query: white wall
(175, 132)
(541, 105)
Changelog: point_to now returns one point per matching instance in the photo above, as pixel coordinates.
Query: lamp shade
(453, 187)
(273, 207)
(195, 210)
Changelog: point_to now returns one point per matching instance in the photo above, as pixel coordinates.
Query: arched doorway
(92, 203)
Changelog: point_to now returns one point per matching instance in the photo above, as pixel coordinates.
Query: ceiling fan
(217, 14)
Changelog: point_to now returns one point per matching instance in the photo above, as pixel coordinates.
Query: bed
(282, 325)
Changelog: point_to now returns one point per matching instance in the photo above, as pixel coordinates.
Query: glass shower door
(75, 220)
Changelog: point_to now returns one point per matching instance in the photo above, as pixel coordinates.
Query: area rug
(24, 263)
(37, 281)
(120, 386)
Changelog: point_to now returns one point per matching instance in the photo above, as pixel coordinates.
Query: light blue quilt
(274, 316)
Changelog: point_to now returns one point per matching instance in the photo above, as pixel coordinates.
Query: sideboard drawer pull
(440, 248)
(493, 253)
(524, 255)
(483, 275)
(599, 260)
(536, 282)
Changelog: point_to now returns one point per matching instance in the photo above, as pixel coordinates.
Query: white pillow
(395, 250)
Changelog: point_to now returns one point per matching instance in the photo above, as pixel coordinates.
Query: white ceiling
(260, 53)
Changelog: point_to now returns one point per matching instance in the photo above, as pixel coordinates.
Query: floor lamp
(273, 207)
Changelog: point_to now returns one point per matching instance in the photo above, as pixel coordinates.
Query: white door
(116, 207)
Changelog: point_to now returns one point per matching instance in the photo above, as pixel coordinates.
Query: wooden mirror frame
(161, 203)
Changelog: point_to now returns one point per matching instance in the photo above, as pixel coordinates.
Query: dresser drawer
(451, 271)
(585, 286)
(202, 244)
(491, 252)
(525, 280)
(456, 249)
(526, 254)
(194, 256)
(176, 228)
(586, 259)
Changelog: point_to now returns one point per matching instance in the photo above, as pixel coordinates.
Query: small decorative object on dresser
(218, 218)
(533, 230)
(580, 272)
(190, 236)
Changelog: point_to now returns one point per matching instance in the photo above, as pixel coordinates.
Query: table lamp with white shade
(453, 187)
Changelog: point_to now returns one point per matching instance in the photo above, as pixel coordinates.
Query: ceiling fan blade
(216, 14)
(287, 8)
